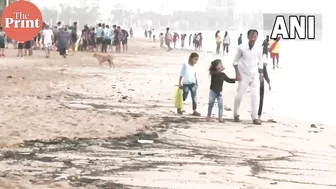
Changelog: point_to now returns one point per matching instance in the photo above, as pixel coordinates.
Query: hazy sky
(167, 6)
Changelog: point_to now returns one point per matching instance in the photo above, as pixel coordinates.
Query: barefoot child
(188, 82)
(216, 87)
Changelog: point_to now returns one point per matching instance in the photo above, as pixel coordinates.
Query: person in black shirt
(240, 40)
(265, 46)
(262, 89)
(216, 87)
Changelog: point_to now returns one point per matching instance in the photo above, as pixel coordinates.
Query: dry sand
(68, 123)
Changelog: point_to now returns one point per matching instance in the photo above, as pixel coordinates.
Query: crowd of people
(100, 38)
(172, 39)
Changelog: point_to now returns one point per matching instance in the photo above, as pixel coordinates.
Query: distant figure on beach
(153, 35)
(113, 37)
(183, 36)
(106, 39)
(47, 40)
(200, 41)
(2, 42)
(194, 40)
(216, 87)
(161, 40)
(146, 33)
(265, 46)
(274, 48)
(63, 42)
(20, 49)
(28, 48)
(124, 40)
(59, 25)
(262, 87)
(188, 82)
(150, 34)
(118, 38)
(99, 37)
(218, 41)
(74, 34)
(249, 72)
(131, 32)
(168, 39)
(226, 43)
(240, 40)
(55, 32)
(190, 36)
(175, 38)
(92, 41)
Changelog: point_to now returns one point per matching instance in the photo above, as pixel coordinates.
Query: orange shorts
(274, 55)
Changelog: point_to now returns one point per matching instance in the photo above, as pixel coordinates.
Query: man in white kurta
(249, 72)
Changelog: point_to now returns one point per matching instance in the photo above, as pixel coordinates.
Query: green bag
(178, 101)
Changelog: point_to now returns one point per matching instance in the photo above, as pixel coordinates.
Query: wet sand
(68, 123)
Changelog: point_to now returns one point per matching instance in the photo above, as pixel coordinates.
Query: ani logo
(296, 27)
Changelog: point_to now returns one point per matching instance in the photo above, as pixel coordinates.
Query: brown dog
(104, 58)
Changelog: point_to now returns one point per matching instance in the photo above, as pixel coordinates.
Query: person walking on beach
(99, 37)
(161, 40)
(194, 40)
(106, 39)
(175, 38)
(92, 40)
(275, 49)
(216, 87)
(131, 32)
(200, 42)
(150, 33)
(63, 42)
(124, 40)
(226, 43)
(27, 47)
(74, 35)
(262, 88)
(190, 36)
(47, 40)
(183, 36)
(249, 72)
(240, 40)
(168, 39)
(113, 38)
(218, 41)
(265, 46)
(2, 42)
(20, 49)
(118, 38)
(188, 82)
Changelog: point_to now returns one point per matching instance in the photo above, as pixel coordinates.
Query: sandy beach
(66, 123)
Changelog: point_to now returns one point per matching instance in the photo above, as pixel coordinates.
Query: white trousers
(243, 85)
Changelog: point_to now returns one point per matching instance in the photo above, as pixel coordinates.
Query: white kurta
(249, 61)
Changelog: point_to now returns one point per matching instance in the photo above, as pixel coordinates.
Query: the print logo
(21, 20)
(293, 26)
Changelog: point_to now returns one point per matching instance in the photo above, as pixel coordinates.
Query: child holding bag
(188, 82)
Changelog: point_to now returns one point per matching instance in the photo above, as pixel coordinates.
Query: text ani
(302, 27)
(21, 21)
